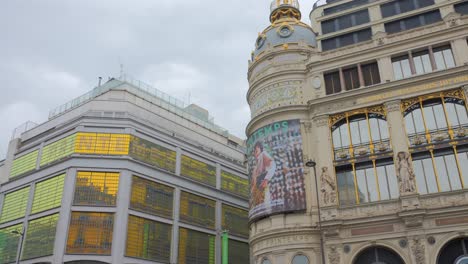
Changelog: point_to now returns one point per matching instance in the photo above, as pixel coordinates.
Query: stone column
(459, 51)
(395, 125)
(178, 160)
(385, 69)
(65, 214)
(121, 217)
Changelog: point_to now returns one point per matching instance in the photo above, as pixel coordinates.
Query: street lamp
(312, 164)
(21, 234)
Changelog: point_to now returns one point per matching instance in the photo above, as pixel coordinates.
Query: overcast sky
(52, 51)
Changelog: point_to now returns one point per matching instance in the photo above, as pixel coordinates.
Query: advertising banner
(276, 169)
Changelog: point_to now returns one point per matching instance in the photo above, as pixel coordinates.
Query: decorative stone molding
(334, 255)
(419, 251)
(308, 128)
(393, 106)
(379, 38)
(453, 19)
(283, 241)
(327, 188)
(321, 121)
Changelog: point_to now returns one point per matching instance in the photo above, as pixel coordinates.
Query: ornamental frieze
(278, 94)
(283, 241)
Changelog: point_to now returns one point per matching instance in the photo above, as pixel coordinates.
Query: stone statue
(405, 173)
(328, 188)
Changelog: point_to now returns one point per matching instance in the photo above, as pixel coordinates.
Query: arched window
(266, 261)
(300, 259)
(378, 255)
(438, 119)
(362, 176)
(455, 251)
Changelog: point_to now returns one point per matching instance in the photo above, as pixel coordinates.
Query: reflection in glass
(300, 259)
(420, 179)
(442, 173)
(384, 192)
(96, 188)
(346, 188)
(454, 177)
(430, 175)
(362, 186)
(372, 187)
(40, 237)
(392, 181)
(463, 161)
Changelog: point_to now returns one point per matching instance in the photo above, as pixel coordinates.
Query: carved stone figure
(405, 173)
(334, 256)
(419, 251)
(328, 188)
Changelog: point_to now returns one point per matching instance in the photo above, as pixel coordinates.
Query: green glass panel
(9, 243)
(153, 154)
(234, 184)
(40, 237)
(196, 247)
(197, 210)
(96, 188)
(90, 233)
(198, 170)
(14, 205)
(235, 220)
(48, 194)
(24, 164)
(58, 150)
(238, 252)
(151, 197)
(148, 239)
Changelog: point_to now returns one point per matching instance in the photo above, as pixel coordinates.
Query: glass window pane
(151, 197)
(336, 138)
(346, 190)
(300, 259)
(448, 56)
(418, 64)
(452, 170)
(197, 210)
(90, 233)
(418, 120)
(355, 137)
(40, 237)
(462, 114)
(147, 239)
(442, 174)
(406, 69)
(440, 116)
(463, 160)
(409, 125)
(96, 188)
(430, 175)
(392, 181)
(383, 129)
(238, 252)
(14, 205)
(234, 184)
(374, 127)
(24, 164)
(439, 59)
(452, 114)
(344, 135)
(153, 154)
(48, 194)
(235, 220)
(420, 176)
(364, 131)
(196, 247)
(58, 150)
(383, 184)
(9, 243)
(362, 186)
(372, 185)
(397, 70)
(429, 118)
(198, 170)
(426, 63)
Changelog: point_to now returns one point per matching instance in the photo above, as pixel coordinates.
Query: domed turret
(286, 28)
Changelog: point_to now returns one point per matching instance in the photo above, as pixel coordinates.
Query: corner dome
(286, 28)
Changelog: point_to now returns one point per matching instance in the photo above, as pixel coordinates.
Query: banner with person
(276, 169)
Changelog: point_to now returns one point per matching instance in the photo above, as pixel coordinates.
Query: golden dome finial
(284, 9)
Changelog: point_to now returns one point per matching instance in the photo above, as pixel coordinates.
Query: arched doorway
(454, 252)
(378, 255)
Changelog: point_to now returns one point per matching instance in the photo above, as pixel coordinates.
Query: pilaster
(121, 217)
(459, 51)
(175, 227)
(395, 124)
(386, 69)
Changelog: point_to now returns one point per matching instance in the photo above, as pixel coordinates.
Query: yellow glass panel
(235, 220)
(198, 170)
(151, 197)
(234, 184)
(196, 247)
(9, 243)
(40, 237)
(58, 150)
(24, 164)
(153, 154)
(48, 194)
(90, 233)
(119, 144)
(96, 188)
(14, 205)
(102, 143)
(85, 143)
(148, 239)
(197, 210)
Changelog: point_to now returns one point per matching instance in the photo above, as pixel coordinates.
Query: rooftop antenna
(100, 80)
